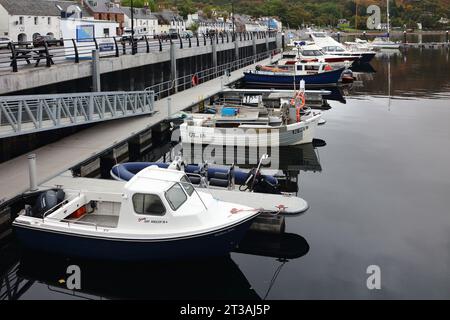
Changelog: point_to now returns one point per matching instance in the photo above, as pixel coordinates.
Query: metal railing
(28, 54)
(167, 88)
(27, 114)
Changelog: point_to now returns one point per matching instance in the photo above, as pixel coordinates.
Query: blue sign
(106, 47)
(85, 33)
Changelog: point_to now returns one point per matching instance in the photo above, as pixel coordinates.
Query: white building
(23, 20)
(83, 31)
(144, 20)
(206, 25)
(169, 21)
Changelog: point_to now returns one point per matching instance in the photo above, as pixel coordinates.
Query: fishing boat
(157, 215)
(333, 47)
(242, 126)
(314, 73)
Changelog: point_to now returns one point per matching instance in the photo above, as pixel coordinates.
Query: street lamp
(232, 14)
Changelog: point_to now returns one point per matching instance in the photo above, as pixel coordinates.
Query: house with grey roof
(23, 20)
(145, 22)
(170, 21)
(106, 10)
(206, 25)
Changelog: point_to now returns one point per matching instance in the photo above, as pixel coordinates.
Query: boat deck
(100, 220)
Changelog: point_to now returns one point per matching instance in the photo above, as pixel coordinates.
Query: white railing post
(32, 172)
(169, 107)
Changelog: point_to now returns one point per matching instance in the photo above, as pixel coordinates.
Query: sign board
(85, 33)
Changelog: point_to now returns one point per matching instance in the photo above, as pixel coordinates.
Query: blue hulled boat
(315, 74)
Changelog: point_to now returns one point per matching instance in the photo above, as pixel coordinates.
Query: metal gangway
(33, 113)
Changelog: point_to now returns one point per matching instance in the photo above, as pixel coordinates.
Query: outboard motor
(46, 201)
(257, 182)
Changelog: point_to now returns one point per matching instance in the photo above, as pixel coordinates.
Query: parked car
(4, 41)
(51, 41)
(186, 34)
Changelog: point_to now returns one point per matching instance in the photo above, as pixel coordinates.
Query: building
(444, 20)
(143, 18)
(24, 20)
(106, 10)
(270, 23)
(169, 21)
(245, 23)
(206, 25)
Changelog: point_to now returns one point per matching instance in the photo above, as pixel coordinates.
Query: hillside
(320, 12)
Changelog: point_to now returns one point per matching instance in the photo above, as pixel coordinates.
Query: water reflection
(36, 274)
(410, 73)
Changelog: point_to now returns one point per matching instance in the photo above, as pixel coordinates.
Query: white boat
(252, 126)
(157, 215)
(313, 52)
(384, 43)
(333, 47)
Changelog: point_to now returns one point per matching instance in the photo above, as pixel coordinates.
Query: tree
(185, 7)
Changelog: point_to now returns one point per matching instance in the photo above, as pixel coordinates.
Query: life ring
(195, 80)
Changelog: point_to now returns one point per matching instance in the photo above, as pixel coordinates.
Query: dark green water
(379, 192)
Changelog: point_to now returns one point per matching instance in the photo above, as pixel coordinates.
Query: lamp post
(133, 49)
(232, 14)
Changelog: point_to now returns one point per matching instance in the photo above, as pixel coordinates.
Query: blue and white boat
(205, 175)
(288, 76)
(157, 215)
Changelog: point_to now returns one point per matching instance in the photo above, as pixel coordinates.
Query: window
(149, 204)
(176, 196)
(299, 67)
(20, 20)
(187, 185)
(106, 32)
(35, 20)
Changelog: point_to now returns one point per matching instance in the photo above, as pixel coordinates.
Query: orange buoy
(195, 80)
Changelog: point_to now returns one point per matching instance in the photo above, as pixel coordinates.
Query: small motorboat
(157, 215)
(242, 126)
(206, 175)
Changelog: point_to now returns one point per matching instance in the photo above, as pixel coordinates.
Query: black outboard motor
(257, 182)
(47, 200)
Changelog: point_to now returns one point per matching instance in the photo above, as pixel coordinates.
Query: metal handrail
(25, 114)
(108, 46)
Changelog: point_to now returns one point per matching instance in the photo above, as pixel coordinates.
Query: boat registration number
(197, 135)
(297, 131)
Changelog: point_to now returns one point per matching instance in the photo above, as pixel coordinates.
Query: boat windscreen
(175, 196)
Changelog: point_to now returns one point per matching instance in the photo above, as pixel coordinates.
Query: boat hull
(298, 133)
(330, 78)
(213, 244)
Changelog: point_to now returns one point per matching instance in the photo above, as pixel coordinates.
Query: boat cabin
(152, 198)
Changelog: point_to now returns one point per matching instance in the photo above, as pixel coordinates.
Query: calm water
(379, 195)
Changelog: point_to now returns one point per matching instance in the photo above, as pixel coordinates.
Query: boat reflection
(212, 279)
(285, 163)
(201, 279)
